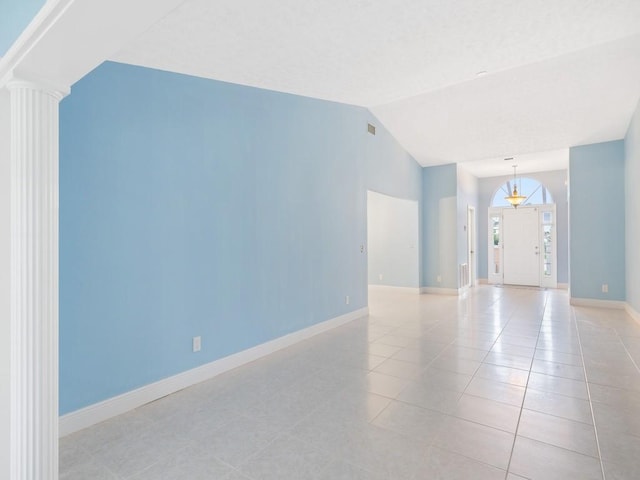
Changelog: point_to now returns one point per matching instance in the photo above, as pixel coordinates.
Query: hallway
(502, 383)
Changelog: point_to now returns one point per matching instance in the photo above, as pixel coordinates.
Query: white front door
(521, 246)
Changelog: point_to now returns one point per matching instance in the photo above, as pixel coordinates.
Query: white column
(34, 281)
(5, 284)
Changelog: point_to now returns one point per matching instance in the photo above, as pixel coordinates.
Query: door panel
(521, 247)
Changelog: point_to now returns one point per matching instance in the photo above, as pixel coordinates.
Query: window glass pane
(546, 231)
(495, 225)
(535, 192)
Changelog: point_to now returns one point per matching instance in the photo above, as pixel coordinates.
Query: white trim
(472, 246)
(33, 82)
(48, 15)
(440, 291)
(393, 288)
(99, 412)
(562, 286)
(632, 312)
(593, 302)
(492, 277)
(483, 281)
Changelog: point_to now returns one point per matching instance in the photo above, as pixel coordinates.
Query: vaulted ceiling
(454, 81)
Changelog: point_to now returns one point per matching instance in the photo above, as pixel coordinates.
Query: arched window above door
(536, 193)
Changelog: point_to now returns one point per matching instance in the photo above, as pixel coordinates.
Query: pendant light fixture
(515, 198)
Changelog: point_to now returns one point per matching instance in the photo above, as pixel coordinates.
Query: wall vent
(371, 129)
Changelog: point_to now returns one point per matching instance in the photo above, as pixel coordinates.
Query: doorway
(393, 240)
(522, 246)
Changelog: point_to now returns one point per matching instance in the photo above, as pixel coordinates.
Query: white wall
(5, 273)
(392, 233)
(632, 211)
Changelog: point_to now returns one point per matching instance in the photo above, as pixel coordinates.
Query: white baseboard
(563, 286)
(483, 281)
(392, 288)
(440, 291)
(99, 412)
(592, 302)
(632, 312)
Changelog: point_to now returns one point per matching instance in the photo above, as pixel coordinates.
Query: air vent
(371, 129)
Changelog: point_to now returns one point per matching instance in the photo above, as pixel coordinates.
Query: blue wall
(15, 15)
(439, 225)
(597, 220)
(193, 207)
(632, 204)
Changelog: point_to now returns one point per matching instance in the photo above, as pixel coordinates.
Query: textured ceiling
(526, 163)
(559, 72)
(576, 99)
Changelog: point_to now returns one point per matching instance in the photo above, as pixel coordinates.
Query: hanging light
(515, 198)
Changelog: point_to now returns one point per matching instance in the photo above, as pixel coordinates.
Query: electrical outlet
(439, 279)
(197, 344)
(346, 299)
(605, 288)
(380, 276)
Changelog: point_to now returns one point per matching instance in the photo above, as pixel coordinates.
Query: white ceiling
(526, 163)
(560, 73)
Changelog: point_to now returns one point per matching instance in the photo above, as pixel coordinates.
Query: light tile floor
(504, 383)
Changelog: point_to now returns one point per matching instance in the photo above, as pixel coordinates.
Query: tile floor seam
(137, 474)
(426, 367)
(235, 468)
(557, 416)
(556, 376)
(627, 350)
(470, 458)
(515, 435)
(482, 361)
(559, 446)
(491, 399)
(475, 422)
(257, 453)
(586, 381)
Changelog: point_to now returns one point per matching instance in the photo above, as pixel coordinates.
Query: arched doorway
(522, 242)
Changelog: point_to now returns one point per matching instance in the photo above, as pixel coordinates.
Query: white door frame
(547, 221)
(471, 244)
